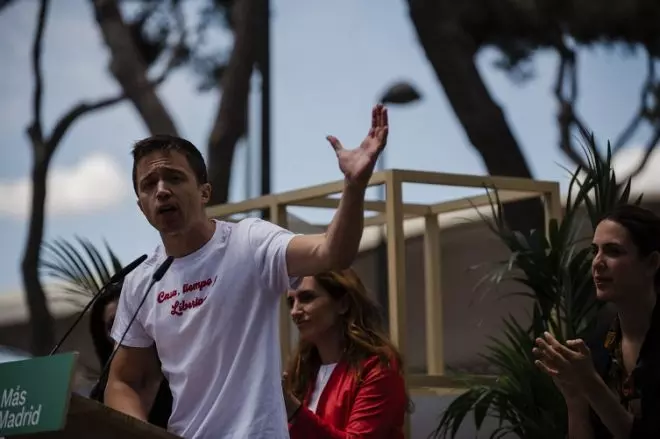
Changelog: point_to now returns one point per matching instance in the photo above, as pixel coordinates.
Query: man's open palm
(358, 164)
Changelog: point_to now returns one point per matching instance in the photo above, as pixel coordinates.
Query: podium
(88, 419)
(36, 402)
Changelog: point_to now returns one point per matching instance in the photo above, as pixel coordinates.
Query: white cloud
(93, 184)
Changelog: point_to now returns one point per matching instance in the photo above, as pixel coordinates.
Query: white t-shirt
(214, 319)
(322, 378)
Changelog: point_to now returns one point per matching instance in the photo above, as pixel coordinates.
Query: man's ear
(206, 192)
(140, 205)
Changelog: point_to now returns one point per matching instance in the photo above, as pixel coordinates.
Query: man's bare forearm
(122, 397)
(345, 231)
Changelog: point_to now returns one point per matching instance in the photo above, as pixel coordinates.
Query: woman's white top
(321, 380)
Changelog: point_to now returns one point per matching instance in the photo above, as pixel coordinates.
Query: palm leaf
(521, 399)
(116, 263)
(78, 265)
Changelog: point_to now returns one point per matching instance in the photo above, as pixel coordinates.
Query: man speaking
(213, 317)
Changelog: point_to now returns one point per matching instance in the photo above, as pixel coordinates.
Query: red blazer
(372, 409)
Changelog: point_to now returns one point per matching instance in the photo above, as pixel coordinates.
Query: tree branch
(65, 122)
(644, 112)
(650, 147)
(41, 321)
(129, 69)
(230, 122)
(627, 133)
(451, 49)
(34, 129)
(565, 116)
(5, 3)
(567, 77)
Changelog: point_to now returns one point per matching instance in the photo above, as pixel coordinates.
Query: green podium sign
(35, 394)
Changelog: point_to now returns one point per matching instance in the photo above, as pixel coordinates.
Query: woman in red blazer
(345, 379)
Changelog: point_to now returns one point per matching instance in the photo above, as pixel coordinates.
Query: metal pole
(400, 93)
(381, 257)
(264, 64)
(247, 139)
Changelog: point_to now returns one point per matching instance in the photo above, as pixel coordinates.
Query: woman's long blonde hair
(361, 327)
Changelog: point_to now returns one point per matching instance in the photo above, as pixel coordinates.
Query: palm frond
(78, 265)
(522, 398)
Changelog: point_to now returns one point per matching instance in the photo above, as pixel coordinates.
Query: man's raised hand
(358, 164)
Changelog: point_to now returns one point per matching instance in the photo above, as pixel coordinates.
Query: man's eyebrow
(165, 169)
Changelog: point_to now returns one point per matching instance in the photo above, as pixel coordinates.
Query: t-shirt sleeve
(268, 243)
(136, 336)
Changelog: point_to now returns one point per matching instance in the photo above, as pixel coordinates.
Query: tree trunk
(41, 322)
(451, 52)
(130, 70)
(231, 119)
(42, 325)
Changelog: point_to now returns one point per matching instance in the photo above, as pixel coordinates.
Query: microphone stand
(115, 278)
(157, 276)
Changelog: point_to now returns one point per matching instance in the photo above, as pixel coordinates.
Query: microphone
(158, 275)
(115, 278)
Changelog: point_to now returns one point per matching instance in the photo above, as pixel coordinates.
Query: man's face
(168, 193)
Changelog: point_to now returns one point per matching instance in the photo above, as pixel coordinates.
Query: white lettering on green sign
(15, 411)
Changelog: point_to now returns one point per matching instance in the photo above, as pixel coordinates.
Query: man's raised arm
(308, 255)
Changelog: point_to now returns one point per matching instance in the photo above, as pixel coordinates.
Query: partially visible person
(102, 317)
(612, 388)
(345, 380)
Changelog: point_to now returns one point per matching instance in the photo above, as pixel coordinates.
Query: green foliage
(82, 269)
(555, 269)
(602, 183)
(523, 399)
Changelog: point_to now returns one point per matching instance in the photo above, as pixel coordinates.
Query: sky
(330, 63)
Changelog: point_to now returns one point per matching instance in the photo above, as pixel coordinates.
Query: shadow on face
(620, 272)
(315, 312)
(169, 194)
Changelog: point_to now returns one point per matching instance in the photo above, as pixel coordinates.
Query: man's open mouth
(166, 209)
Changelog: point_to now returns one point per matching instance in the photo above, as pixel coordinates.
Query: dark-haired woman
(345, 380)
(102, 316)
(612, 390)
